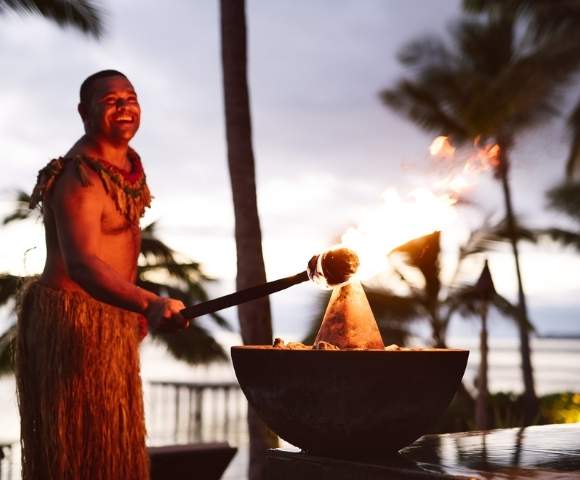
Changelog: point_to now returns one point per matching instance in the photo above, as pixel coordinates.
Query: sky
(325, 146)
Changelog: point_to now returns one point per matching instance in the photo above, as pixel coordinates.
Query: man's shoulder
(67, 174)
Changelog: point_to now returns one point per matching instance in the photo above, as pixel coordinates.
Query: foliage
(7, 342)
(553, 22)
(566, 199)
(561, 408)
(84, 15)
(486, 82)
(182, 280)
(159, 270)
(505, 409)
(21, 209)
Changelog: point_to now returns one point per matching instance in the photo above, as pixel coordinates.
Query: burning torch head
(334, 267)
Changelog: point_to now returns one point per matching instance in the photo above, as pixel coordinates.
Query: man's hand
(163, 315)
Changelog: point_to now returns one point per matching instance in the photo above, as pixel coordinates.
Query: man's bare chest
(114, 223)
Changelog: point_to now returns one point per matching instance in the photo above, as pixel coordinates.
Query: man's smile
(124, 118)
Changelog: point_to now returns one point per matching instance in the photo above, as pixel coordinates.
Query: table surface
(548, 451)
(542, 452)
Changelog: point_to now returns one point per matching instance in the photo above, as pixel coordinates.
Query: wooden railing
(177, 413)
(189, 412)
(6, 462)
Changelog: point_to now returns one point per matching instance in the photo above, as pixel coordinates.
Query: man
(80, 323)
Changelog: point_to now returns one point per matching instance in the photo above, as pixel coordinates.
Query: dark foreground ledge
(206, 461)
(547, 452)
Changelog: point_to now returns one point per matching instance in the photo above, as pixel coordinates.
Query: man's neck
(115, 154)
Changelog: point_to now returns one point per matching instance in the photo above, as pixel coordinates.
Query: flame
(403, 217)
(463, 170)
(442, 147)
(397, 220)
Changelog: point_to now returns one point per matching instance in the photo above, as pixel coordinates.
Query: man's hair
(87, 85)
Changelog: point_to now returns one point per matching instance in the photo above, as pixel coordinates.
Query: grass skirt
(79, 389)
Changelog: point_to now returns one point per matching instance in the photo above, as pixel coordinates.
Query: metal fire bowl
(349, 403)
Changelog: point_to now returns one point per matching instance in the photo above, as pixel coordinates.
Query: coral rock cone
(349, 321)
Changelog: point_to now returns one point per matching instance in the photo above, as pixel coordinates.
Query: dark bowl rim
(270, 348)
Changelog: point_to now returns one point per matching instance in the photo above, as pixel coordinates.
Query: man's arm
(78, 210)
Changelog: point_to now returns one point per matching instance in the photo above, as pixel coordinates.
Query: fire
(463, 170)
(481, 157)
(441, 147)
(402, 217)
(398, 219)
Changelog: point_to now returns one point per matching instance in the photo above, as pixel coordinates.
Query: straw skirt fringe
(79, 389)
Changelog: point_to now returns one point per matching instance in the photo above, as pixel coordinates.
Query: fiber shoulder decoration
(128, 190)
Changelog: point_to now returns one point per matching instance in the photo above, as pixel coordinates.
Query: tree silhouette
(565, 198)
(84, 15)
(489, 84)
(254, 317)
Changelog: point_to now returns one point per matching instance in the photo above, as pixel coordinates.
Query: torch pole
(243, 296)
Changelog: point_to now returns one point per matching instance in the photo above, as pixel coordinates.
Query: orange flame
(442, 147)
(463, 172)
(401, 218)
(397, 220)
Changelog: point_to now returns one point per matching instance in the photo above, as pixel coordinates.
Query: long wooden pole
(243, 296)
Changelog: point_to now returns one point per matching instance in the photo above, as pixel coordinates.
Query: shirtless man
(77, 358)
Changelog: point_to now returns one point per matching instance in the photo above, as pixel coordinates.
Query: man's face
(113, 111)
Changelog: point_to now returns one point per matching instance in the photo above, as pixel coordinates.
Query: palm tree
(181, 278)
(556, 20)
(489, 84)
(476, 300)
(83, 15)
(565, 198)
(254, 317)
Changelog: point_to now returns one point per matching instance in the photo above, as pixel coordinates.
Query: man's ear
(82, 109)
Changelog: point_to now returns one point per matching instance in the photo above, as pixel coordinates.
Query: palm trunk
(254, 317)
(530, 399)
(438, 326)
(481, 420)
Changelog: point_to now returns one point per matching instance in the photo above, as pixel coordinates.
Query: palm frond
(423, 253)
(467, 302)
(7, 344)
(543, 18)
(9, 287)
(566, 199)
(419, 105)
(489, 83)
(84, 15)
(394, 313)
(490, 236)
(564, 237)
(193, 345)
(573, 161)
(21, 210)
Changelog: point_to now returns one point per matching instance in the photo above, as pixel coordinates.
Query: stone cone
(349, 321)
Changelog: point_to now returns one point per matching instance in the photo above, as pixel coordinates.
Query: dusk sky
(325, 146)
